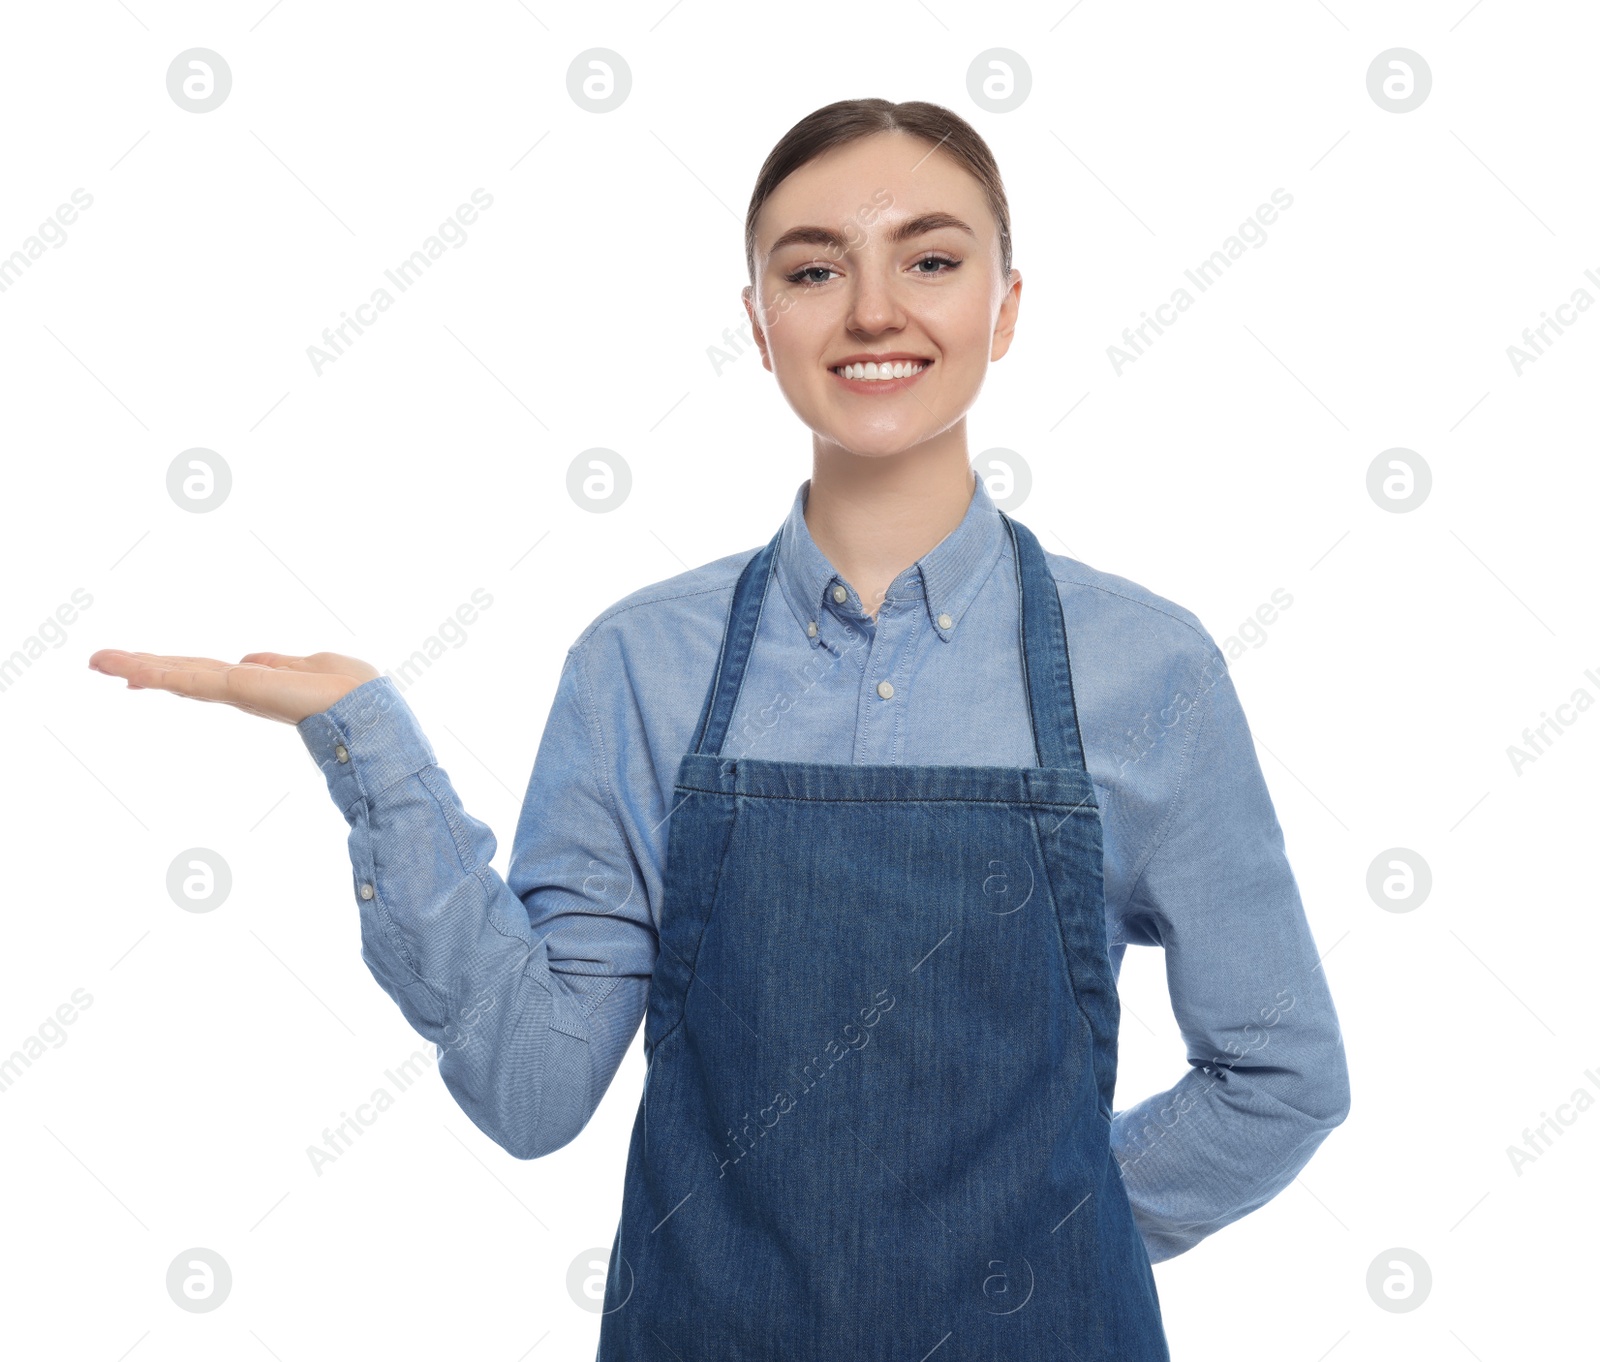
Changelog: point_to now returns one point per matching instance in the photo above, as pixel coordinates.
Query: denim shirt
(533, 986)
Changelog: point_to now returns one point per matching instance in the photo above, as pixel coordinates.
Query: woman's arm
(1268, 1079)
(531, 988)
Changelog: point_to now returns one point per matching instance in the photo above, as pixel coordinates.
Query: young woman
(843, 823)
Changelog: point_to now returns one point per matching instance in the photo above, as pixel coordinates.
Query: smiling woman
(873, 773)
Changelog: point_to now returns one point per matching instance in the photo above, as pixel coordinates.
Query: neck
(874, 516)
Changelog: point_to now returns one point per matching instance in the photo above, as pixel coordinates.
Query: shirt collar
(946, 578)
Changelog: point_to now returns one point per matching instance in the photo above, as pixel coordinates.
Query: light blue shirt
(533, 986)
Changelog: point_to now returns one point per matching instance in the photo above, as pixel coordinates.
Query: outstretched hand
(271, 685)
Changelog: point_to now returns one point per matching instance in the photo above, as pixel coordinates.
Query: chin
(877, 444)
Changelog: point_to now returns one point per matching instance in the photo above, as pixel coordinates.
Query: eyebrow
(917, 226)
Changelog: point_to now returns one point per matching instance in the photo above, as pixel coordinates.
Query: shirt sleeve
(530, 987)
(1267, 1079)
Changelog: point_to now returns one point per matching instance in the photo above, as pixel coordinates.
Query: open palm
(272, 685)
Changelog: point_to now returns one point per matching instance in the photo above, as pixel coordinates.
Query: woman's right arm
(532, 986)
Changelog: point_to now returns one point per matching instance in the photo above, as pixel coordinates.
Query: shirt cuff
(366, 741)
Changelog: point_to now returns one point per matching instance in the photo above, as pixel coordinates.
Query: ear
(748, 295)
(1005, 324)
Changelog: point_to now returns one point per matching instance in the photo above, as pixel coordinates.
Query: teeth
(896, 369)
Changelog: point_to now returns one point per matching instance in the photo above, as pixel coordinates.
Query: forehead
(886, 176)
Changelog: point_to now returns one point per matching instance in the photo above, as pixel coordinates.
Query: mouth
(892, 373)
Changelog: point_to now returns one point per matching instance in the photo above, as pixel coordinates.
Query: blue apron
(882, 1042)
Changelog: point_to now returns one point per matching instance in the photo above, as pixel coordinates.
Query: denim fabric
(881, 1043)
(534, 985)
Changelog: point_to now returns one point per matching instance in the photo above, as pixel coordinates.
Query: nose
(874, 305)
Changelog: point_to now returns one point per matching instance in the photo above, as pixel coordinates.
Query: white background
(370, 500)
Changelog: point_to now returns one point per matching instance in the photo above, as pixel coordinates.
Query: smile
(889, 375)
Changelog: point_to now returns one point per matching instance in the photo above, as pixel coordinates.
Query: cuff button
(366, 891)
(342, 752)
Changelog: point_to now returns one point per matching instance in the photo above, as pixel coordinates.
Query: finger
(195, 678)
(275, 660)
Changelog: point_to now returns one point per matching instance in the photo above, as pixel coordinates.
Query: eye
(935, 260)
(799, 275)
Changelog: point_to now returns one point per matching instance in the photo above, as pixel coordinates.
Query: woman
(843, 823)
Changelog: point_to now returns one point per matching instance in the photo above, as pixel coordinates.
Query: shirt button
(366, 891)
(342, 752)
(885, 689)
(945, 621)
(839, 593)
(811, 629)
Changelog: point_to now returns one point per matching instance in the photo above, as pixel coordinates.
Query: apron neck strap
(1046, 664)
(1047, 670)
(738, 636)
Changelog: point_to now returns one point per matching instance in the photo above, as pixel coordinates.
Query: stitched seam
(716, 894)
(1061, 932)
(364, 811)
(462, 844)
(1124, 596)
(920, 799)
(620, 610)
(902, 669)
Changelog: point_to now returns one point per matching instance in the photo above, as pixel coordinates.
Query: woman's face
(880, 247)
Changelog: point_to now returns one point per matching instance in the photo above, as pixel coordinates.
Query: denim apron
(881, 1042)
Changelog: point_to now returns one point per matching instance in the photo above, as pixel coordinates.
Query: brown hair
(846, 120)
